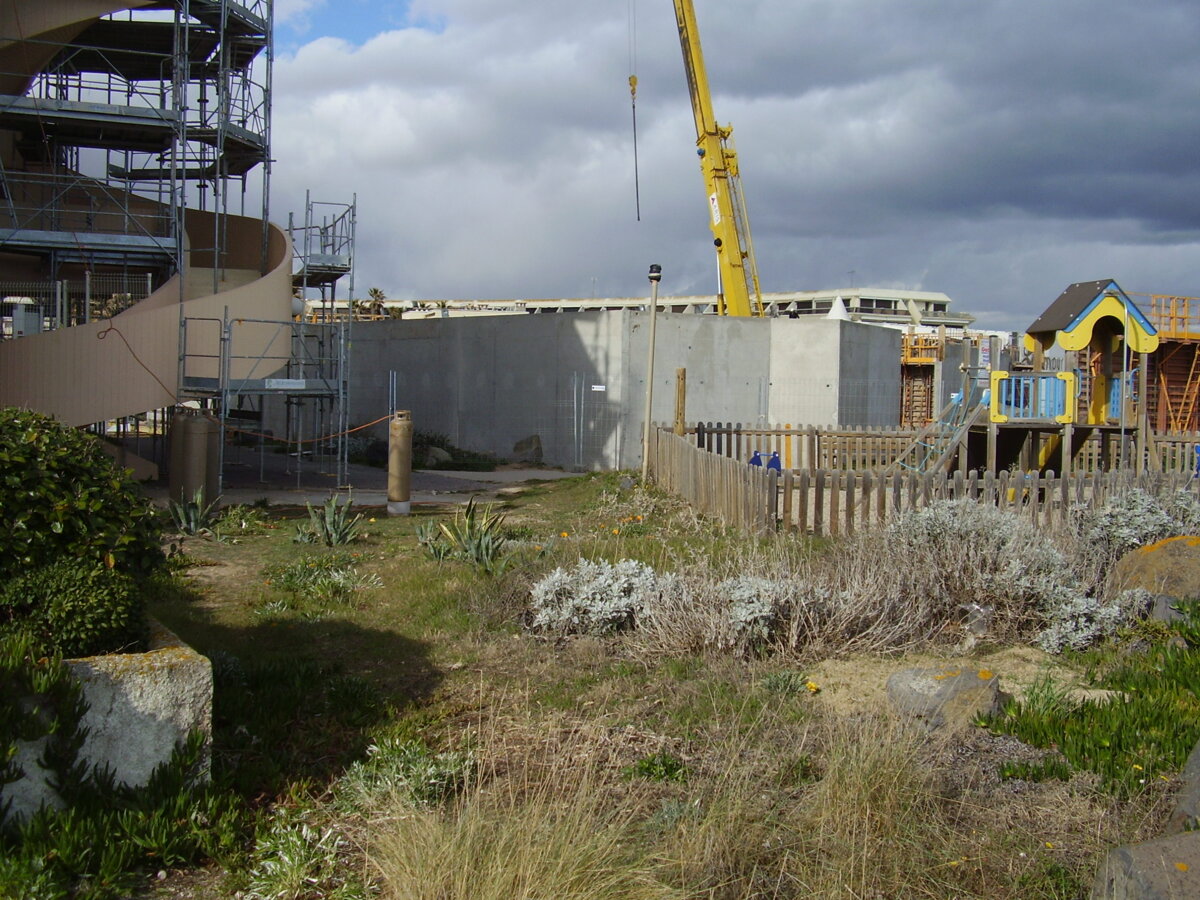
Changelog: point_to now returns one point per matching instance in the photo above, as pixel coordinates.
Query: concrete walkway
(281, 482)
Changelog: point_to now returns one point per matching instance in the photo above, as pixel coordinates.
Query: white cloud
(294, 12)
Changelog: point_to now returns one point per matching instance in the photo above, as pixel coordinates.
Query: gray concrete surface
(140, 705)
(283, 480)
(578, 381)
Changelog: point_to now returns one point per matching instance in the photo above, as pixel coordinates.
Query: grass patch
(1141, 731)
(405, 734)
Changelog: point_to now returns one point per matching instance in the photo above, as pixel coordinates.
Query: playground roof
(1072, 317)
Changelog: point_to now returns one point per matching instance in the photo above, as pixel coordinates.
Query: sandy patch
(857, 684)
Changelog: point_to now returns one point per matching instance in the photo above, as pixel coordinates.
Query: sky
(995, 150)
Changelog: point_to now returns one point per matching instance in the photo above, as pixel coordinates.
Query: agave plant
(329, 524)
(192, 517)
(430, 537)
(477, 535)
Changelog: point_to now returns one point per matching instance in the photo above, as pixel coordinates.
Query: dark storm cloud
(993, 150)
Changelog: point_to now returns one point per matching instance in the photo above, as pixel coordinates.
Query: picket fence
(864, 448)
(830, 502)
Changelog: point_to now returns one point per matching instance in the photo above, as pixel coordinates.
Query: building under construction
(138, 265)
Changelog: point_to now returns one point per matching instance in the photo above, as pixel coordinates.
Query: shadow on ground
(297, 700)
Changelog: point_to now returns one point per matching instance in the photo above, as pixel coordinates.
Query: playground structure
(1020, 413)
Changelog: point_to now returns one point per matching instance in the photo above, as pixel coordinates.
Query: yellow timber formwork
(1174, 401)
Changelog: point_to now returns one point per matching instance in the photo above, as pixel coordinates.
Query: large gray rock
(528, 449)
(1164, 869)
(1170, 566)
(947, 695)
(1187, 807)
(140, 706)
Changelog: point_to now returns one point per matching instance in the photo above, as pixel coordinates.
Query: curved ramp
(130, 363)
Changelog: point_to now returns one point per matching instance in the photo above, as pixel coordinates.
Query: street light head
(655, 273)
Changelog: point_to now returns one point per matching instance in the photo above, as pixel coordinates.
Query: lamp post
(655, 277)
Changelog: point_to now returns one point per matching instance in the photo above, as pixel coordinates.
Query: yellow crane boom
(738, 293)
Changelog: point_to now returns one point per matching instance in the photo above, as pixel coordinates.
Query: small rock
(949, 695)
(1186, 816)
(528, 449)
(1164, 609)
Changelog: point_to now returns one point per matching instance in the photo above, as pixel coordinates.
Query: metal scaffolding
(303, 366)
(323, 251)
(137, 117)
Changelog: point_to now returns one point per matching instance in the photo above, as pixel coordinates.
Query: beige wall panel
(44, 20)
(91, 372)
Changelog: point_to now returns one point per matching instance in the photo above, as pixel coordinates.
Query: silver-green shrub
(1135, 519)
(596, 597)
(755, 608)
(930, 562)
(1081, 621)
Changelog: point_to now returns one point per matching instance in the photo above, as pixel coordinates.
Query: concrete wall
(577, 381)
(488, 383)
(869, 375)
(727, 362)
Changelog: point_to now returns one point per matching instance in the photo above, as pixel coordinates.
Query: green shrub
(100, 846)
(76, 608)
(661, 766)
(63, 497)
(476, 535)
(193, 517)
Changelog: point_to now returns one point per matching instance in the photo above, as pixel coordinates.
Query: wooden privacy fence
(830, 502)
(806, 447)
(867, 449)
(739, 495)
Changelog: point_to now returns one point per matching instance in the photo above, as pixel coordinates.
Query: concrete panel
(578, 380)
(488, 383)
(804, 371)
(869, 374)
(727, 371)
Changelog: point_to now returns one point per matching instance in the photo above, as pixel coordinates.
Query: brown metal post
(400, 433)
(680, 400)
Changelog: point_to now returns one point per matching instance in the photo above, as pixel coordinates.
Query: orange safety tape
(315, 440)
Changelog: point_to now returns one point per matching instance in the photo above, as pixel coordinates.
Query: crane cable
(637, 195)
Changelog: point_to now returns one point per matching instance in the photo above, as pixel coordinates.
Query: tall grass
(873, 825)
(556, 835)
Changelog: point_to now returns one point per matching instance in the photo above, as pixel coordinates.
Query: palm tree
(377, 297)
